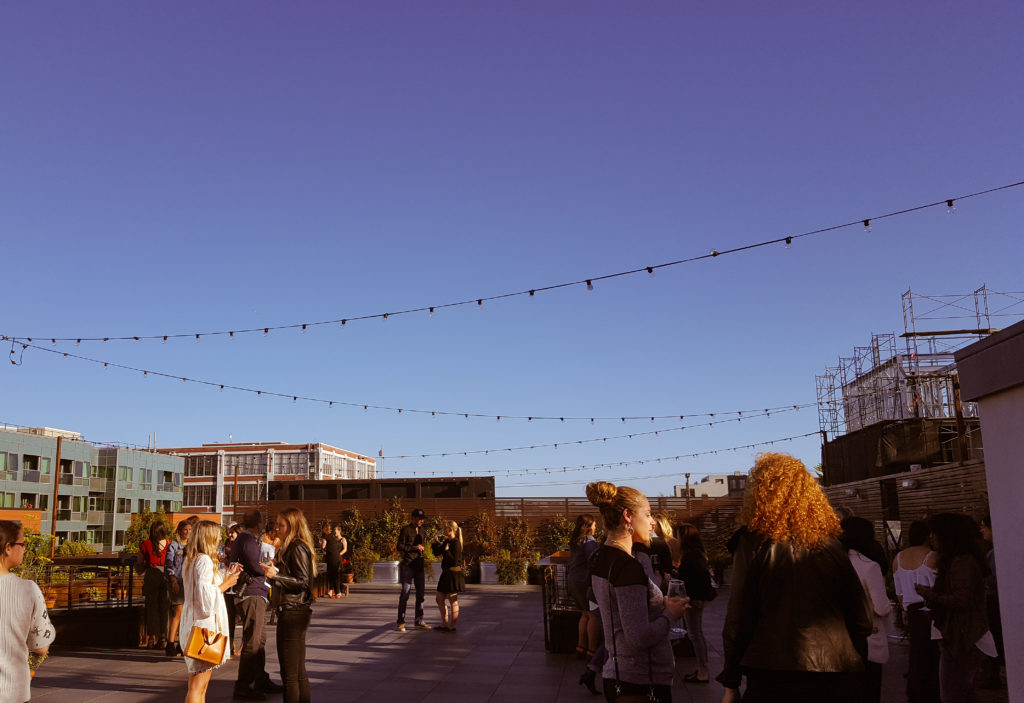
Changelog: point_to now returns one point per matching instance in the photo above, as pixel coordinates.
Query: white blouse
(870, 574)
(24, 626)
(203, 607)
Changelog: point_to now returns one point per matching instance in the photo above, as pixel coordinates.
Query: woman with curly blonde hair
(797, 624)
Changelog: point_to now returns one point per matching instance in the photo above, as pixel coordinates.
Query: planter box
(488, 572)
(385, 572)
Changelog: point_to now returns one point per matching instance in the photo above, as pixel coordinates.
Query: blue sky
(174, 169)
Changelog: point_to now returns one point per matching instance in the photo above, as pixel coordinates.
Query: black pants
(334, 577)
(768, 686)
(923, 662)
(252, 661)
(408, 576)
(662, 694)
(291, 653)
(872, 685)
(154, 588)
(229, 603)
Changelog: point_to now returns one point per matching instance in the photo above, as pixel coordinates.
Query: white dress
(204, 606)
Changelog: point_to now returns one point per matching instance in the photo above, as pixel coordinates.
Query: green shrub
(138, 530)
(37, 556)
(552, 535)
(511, 569)
(362, 563)
(75, 548)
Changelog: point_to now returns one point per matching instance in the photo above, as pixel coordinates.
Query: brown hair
(784, 503)
(691, 542)
(580, 530)
(611, 500)
(298, 530)
(8, 534)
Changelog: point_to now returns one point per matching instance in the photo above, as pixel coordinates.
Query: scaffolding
(883, 382)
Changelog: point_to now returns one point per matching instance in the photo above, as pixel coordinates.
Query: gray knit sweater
(634, 609)
(24, 626)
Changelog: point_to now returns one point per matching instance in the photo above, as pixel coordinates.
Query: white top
(204, 606)
(870, 575)
(24, 626)
(905, 579)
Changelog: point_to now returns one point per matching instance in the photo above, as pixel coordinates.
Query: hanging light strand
(478, 301)
(592, 467)
(295, 397)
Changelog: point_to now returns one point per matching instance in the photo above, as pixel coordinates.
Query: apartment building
(716, 486)
(100, 487)
(217, 476)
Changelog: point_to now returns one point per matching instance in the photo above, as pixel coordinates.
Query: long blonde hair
(298, 530)
(204, 539)
(784, 503)
(456, 531)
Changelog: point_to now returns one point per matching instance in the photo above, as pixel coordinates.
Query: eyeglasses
(18, 544)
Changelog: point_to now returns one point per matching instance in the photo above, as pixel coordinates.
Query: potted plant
(363, 560)
(511, 570)
(347, 575)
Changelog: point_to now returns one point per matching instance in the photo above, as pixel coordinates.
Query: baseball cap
(418, 514)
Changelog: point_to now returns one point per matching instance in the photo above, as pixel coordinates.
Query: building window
(247, 493)
(146, 479)
(199, 496)
(119, 538)
(205, 465)
(126, 475)
(124, 505)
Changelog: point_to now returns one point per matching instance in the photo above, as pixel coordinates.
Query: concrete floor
(355, 654)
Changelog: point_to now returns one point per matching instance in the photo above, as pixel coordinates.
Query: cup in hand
(676, 589)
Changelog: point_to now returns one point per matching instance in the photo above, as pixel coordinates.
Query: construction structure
(895, 406)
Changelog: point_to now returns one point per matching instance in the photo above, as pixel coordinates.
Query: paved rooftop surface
(355, 654)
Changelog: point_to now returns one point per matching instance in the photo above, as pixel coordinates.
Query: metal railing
(88, 582)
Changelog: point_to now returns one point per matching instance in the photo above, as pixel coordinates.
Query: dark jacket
(958, 600)
(246, 551)
(693, 570)
(408, 538)
(794, 610)
(293, 585)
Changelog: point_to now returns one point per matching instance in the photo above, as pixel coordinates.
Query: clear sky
(184, 167)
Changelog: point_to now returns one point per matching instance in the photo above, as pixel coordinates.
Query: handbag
(206, 645)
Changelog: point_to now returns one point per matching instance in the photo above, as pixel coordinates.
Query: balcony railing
(98, 484)
(88, 582)
(95, 517)
(30, 476)
(64, 514)
(165, 487)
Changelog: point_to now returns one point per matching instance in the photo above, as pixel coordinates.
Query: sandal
(692, 678)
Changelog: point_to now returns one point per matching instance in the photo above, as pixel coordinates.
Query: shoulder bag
(206, 645)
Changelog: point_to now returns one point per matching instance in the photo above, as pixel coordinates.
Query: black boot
(587, 678)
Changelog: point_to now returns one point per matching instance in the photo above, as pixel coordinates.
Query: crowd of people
(807, 618)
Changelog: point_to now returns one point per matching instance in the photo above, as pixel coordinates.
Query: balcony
(70, 480)
(99, 484)
(64, 514)
(29, 476)
(167, 487)
(95, 517)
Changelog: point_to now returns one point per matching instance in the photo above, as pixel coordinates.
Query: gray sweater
(633, 608)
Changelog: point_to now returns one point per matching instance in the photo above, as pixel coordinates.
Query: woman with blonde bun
(635, 615)
(452, 580)
(797, 622)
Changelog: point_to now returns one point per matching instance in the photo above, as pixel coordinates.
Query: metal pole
(53, 508)
(687, 495)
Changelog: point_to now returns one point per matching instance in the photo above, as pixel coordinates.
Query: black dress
(452, 580)
(333, 553)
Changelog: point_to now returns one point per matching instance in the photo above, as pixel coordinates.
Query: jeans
(407, 575)
(695, 631)
(291, 653)
(253, 658)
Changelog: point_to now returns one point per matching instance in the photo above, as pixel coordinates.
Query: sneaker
(422, 626)
(269, 686)
(401, 627)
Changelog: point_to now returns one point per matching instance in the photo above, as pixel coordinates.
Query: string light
(950, 207)
(606, 465)
(866, 222)
(590, 284)
(789, 242)
(367, 406)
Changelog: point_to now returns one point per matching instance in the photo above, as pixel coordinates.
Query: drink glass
(676, 589)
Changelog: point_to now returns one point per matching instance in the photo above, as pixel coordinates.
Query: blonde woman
(635, 616)
(452, 580)
(204, 606)
(797, 623)
(292, 599)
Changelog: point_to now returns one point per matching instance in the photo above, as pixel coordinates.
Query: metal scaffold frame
(880, 382)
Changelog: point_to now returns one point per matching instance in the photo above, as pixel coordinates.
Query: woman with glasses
(24, 625)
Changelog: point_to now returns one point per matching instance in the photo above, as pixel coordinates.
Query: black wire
(531, 291)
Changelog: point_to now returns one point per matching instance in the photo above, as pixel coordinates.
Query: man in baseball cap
(411, 542)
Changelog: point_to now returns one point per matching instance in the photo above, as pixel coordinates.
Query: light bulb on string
(431, 311)
(650, 271)
(590, 285)
(867, 225)
(789, 243)
(950, 207)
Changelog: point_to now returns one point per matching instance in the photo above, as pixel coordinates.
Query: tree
(138, 530)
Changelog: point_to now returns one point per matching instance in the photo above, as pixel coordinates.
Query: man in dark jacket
(251, 604)
(411, 542)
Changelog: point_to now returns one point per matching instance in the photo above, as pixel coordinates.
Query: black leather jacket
(793, 609)
(293, 585)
